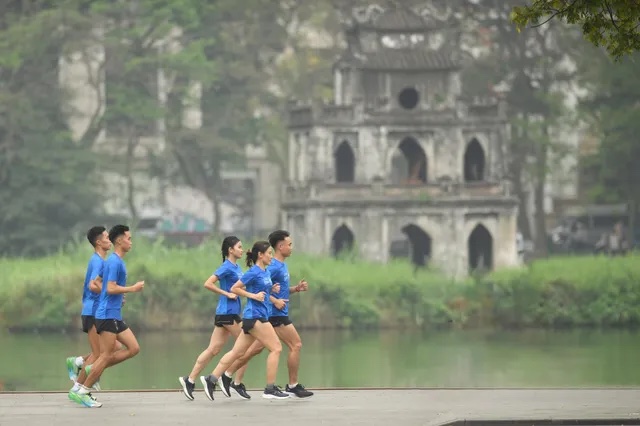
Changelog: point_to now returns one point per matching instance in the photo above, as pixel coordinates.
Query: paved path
(330, 407)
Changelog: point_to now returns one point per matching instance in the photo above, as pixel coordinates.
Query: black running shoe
(209, 386)
(274, 392)
(225, 383)
(240, 390)
(298, 390)
(187, 387)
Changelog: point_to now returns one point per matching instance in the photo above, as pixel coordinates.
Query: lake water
(348, 359)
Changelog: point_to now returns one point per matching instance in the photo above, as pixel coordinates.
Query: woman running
(256, 286)
(227, 320)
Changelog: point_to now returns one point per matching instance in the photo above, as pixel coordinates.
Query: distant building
(400, 163)
(88, 76)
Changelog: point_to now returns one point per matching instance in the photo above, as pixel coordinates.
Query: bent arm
(210, 284)
(239, 289)
(113, 288)
(95, 287)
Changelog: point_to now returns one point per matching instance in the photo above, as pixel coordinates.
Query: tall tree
(46, 180)
(139, 55)
(613, 104)
(527, 69)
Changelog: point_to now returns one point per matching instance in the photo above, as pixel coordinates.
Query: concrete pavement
(326, 407)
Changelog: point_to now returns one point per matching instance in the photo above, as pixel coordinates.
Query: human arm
(112, 282)
(114, 288)
(278, 303)
(95, 285)
(210, 284)
(301, 286)
(239, 289)
(95, 275)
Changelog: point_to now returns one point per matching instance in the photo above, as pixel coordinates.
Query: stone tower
(401, 163)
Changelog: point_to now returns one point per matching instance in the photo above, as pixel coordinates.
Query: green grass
(581, 291)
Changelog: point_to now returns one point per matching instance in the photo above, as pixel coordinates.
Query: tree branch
(556, 13)
(613, 21)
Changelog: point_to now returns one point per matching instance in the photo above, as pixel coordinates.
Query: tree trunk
(215, 205)
(541, 244)
(524, 226)
(633, 212)
(131, 199)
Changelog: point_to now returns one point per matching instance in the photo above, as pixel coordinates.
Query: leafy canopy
(612, 24)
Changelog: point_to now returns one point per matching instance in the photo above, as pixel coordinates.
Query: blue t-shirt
(255, 281)
(228, 274)
(279, 275)
(110, 305)
(89, 298)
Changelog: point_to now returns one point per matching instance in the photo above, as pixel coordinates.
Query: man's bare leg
(74, 364)
(117, 348)
(290, 337)
(94, 342)
(83, 394)
(126, 347)
(107, 356)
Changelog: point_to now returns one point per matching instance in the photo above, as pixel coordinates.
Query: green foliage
(580, 291)
(612, 107)
(46, 183)
(609, 23)
(592, 291)
(527, 70)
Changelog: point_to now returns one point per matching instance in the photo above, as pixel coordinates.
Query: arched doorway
(345, 163)
(409, 163)
(480, 249)
(342, 241)
(416, 246)
(474, 162)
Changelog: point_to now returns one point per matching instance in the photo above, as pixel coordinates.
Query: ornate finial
(367, 14)
(437, 11)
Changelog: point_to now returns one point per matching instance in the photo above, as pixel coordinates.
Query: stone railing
(327, 114)
(377, 190)
(323, 114)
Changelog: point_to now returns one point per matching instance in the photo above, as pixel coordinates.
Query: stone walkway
(326, 407)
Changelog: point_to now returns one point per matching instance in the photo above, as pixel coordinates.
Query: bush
(344, 293)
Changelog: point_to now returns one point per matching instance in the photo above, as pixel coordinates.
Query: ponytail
(258, 247)
(251, 258)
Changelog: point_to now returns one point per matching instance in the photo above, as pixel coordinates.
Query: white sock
(227, 374)
(291, 386)
(75, 387)
(190, 381)
(235, 383)
(79, 361)
(83, 390)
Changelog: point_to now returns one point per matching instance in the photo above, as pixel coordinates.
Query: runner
(227, 320)
(109, 324)
(279, 319)
(99, 239)
(255, 322)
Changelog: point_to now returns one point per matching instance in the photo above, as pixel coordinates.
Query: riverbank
(560, 292)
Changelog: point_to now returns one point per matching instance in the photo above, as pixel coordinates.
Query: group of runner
(264, 323)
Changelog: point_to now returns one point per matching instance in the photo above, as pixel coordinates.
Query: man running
(279, 318)
(99, 239)
(108, 319)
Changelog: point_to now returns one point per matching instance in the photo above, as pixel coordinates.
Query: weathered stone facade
(400, 163)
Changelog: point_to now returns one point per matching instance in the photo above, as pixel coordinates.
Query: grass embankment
(592, 291)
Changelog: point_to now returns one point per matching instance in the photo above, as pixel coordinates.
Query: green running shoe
(72, 368)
